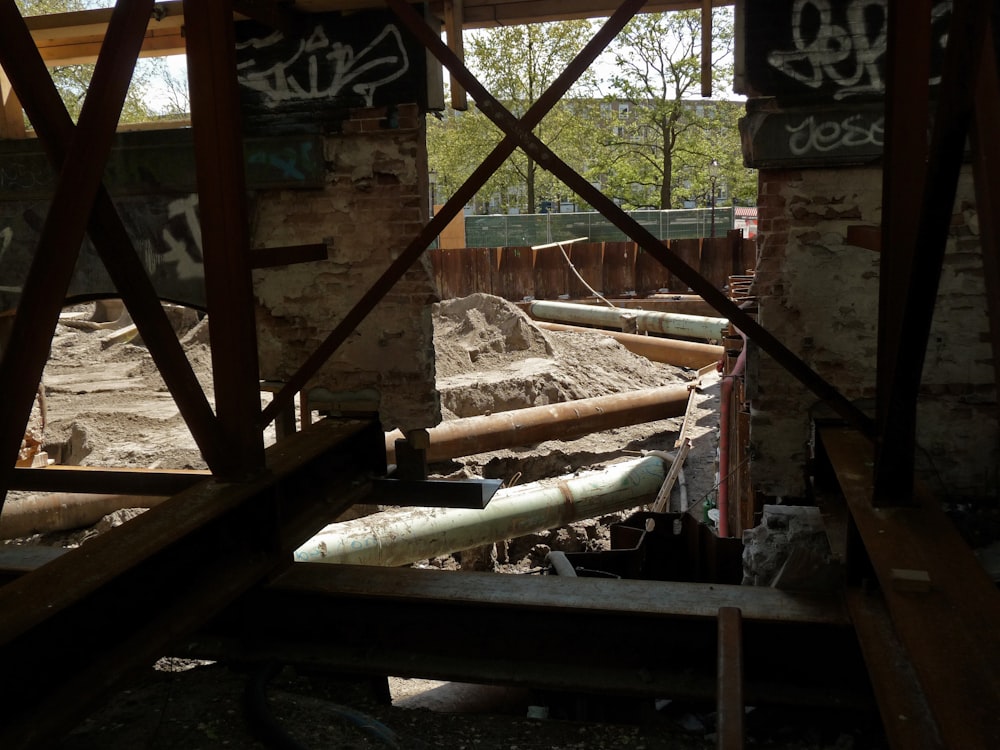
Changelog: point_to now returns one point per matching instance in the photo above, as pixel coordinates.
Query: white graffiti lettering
(849, 55)
(183, 220)
(321, 69)
(813, 135)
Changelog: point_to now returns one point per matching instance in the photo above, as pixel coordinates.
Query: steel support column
(894, 460)
(225, 231)
(65, 225)
(904, 170)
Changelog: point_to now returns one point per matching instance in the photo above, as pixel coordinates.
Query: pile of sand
(492, 357)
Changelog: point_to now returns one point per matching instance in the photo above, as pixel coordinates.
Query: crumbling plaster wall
(819, 296)
(374, 203)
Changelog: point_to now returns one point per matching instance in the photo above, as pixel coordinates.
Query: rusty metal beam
(106, 481)
(986, 169)
(99, 613)
(55, 129)
(65, 225)
(904, 360)
(544, 156)
(455, 204)
(223, 214)
(944, 607)
(729, 698)
(904, 172)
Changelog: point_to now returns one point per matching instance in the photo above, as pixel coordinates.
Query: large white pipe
(402, 536)
(672, 324)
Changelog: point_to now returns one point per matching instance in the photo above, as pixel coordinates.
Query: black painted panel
(825, 50)
(361, 59)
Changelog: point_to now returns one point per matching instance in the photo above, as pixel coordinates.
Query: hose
(269, 730)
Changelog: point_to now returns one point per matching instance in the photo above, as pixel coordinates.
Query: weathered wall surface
(819, 296)
(373, 203)
(815, 73)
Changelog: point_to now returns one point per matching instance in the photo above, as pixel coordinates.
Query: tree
(516, 64)
(658, 138)
(155, 92)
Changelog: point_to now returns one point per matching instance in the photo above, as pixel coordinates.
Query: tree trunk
(665, 186)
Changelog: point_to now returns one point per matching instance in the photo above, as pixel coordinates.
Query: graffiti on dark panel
(831, 50)
(814, 137)
(165, 233)
(343, 61)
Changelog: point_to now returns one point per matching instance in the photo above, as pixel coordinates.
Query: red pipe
(725, 415)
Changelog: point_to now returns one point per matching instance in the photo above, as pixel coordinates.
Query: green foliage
(516, 64)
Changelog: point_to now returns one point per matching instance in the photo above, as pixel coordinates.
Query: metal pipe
(405, 535)
(62, 511)
(669, 351)
(509, 429)
(672, 324)
(725, 412)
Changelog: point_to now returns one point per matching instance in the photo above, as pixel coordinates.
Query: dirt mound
(492, 357)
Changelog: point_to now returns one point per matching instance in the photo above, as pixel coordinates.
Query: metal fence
(537, 229)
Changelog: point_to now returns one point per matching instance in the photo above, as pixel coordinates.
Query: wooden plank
(270, 257)
(948, 631)
(515, 278)
(902, 704)
(716, 260)
(453, 24)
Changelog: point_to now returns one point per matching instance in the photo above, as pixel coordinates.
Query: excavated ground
(108, 406)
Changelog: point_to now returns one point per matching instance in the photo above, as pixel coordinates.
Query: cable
(268, 730)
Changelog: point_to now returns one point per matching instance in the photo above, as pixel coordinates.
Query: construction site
(280, 470)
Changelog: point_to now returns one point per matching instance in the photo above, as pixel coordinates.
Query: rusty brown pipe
(509, 429)
(669, 351)
(62, 511)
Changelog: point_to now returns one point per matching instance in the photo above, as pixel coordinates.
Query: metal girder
(98, 613)
(56, 131)
(538, 151)
(108, 481)
(223, 214)
(528, 631)
(454, 205)
(66, 221)
(894, 461)
(904, 171)
(943, 606)
(986, 170)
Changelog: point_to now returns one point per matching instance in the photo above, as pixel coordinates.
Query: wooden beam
(106, 481)
(453, 25)
(11, 114)
(948, 627)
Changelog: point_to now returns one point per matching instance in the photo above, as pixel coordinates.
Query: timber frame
(249, 487)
